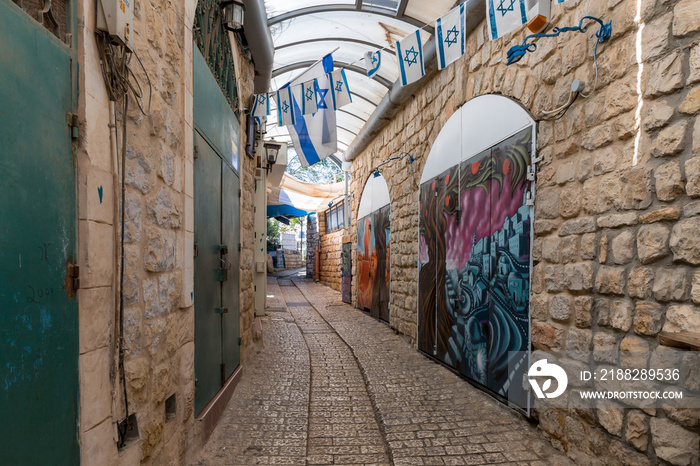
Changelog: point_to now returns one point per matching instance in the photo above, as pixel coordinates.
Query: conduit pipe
(475, 12)
(257, 33)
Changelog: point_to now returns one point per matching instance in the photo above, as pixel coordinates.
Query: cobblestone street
(334, 386)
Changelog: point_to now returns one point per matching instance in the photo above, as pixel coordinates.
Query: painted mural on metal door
(346, 270)
(373, 240)
(474, 254)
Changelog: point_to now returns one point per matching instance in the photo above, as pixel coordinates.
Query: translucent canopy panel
(350, 121)
(377, 29)
(279, 7)
(348, 52)
(391, 5)
(428, 11)
(303, 31)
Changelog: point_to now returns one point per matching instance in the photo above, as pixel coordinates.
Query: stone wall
(311, 244)
(616, 213)
(158, 313)
(292, 259)
(331, 247)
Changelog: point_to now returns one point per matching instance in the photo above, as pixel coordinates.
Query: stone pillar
(311, 244)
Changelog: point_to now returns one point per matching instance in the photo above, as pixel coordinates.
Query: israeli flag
(451, 40)
(373, 60)
(409, 50)
(339, 89)
(261, 106)
(308, 97)
(505, 16)
(314, 135)
(285, 107)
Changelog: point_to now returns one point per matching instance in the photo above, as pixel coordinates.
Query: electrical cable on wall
(120, 81)
(401, 156)
(517, 52)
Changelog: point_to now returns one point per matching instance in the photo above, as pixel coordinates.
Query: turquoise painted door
(216, 231)
(207, 288)
(39, 312)
(230, 289)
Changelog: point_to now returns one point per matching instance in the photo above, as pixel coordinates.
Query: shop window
(335, 217)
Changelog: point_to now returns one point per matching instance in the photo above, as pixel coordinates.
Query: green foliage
(273, 234)
(323, 172)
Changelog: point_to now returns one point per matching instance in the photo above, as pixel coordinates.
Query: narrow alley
(318, 232)
(324, 391)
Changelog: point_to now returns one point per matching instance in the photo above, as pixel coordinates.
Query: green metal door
(207, 294)
(39, 312)
(230, 293)
(217, 231)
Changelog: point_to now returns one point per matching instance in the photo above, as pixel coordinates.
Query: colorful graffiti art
(373, 236)
(346, 270)
(474, 254)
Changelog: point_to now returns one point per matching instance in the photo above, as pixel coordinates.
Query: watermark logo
(544, 369)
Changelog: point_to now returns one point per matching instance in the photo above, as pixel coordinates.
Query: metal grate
(299, 304)
(51, 14)
(214, 43)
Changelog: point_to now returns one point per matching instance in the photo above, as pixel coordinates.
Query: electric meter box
(116, 17)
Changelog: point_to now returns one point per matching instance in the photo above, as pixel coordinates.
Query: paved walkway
(334, 386)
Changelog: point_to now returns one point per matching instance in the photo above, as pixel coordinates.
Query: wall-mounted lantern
(272, 150)
(233, 13)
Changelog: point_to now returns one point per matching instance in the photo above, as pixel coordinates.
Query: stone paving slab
(266, 421)
(343, 428)
(335, 386)
(429, 414)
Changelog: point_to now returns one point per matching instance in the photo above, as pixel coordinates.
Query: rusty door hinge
(196, 151)
(72, 280)
(72, 120)
(196, 250)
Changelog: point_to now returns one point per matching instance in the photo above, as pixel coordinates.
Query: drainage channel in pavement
(343, 425)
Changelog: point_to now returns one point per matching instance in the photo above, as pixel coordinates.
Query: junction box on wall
(116, 17)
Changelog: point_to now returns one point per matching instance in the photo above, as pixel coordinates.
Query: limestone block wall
(331, 247)
(617, 209)
(292, 259)
(311, 244)
(158, 312)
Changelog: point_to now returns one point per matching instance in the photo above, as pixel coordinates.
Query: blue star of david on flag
(452, 35)
(261, 106)
(449, 31)
(505, 16)
(308, 97)
(322, 93)
(284, 104)
(373, 60)
(411, 57)
(410, 51)
(341, 91)
(505, 9)
(314, 135)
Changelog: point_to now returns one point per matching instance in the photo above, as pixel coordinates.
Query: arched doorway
(373, 239)
(475, 243)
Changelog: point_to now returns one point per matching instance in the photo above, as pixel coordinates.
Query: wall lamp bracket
(517, 52)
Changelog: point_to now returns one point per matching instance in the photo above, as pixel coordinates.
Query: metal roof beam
(338, 39)
(347, 8)
(402, 8)
(305, 64)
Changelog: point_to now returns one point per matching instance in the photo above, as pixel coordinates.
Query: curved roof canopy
(303, 31)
